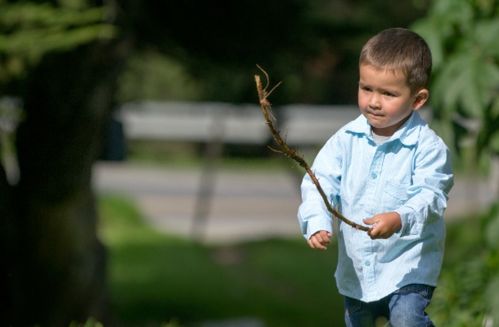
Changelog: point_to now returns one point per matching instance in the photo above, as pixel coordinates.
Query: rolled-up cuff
(406, 217)
(317, 224)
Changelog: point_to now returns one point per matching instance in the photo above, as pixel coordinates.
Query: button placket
(377, 164)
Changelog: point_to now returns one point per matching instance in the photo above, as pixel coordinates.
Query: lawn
(157, 279)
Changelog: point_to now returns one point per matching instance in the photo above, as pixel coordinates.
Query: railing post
(212, 153)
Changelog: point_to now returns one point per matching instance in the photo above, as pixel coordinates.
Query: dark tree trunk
(59, 263)
(6, 238)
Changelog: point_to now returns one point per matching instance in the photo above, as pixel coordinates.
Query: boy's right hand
(320, 240)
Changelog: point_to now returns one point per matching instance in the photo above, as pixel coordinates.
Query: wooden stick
(286, 150)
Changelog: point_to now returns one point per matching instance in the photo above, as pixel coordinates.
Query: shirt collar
(408, 134)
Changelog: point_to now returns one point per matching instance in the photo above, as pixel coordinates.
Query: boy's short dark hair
(400, 49)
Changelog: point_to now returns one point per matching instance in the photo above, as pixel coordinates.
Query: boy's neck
(379, 139)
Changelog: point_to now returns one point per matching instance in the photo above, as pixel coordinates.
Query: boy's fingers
(319, 240)
(326, 236)
(377, 232)
(318, 244)
(311, 244)
(373, 232)
(314, 243)
(322, 237)
(370, 221)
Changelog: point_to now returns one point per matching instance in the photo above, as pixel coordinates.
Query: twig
(286, 150)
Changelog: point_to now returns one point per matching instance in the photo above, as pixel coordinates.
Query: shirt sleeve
(431, 182)
(313, 215)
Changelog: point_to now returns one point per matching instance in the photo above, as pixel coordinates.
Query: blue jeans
(403, 308)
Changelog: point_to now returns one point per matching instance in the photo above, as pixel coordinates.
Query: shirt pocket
(394, 194)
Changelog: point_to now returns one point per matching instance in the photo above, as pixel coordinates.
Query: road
(245, 205)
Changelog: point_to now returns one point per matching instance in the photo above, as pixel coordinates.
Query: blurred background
(136, 183)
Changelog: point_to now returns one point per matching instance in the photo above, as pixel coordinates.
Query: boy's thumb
(369, 221)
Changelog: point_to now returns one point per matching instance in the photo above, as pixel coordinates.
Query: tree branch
(286, 150)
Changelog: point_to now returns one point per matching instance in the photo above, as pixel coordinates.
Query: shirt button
(367, 263)
(374, 175)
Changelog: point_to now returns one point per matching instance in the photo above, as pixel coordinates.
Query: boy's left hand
(383, 225)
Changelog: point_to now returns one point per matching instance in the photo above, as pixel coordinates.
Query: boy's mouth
(372, 113)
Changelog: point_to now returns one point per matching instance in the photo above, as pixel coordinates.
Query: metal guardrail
(301, 124)
(193, 122)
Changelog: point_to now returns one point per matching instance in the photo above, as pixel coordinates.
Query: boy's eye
(389, 94)
(366, 88)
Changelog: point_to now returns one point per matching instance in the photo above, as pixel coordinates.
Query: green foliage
(91, 322)
(463, 37)
(150, 75)
(311, 45)
(468, 287)
(28, 30)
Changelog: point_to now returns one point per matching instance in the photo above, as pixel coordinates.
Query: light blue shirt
(411, 174)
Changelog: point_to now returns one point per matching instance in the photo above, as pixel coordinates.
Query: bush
(469, 284)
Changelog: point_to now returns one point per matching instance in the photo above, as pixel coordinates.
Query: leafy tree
(465, 99)
(463, 37)
(62, 59)
(29, 30)
(467, 291)
(312, 46)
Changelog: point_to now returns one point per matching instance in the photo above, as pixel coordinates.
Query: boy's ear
(420, 99)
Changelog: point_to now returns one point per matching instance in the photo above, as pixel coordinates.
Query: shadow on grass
(156, 278)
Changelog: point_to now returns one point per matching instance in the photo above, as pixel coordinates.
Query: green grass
(157, 278)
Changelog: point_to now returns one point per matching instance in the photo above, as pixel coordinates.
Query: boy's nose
(374, 102)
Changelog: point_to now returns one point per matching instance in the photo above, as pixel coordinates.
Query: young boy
(388, 170)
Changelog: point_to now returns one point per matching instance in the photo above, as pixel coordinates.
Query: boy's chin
(384, 130)
(375, 124)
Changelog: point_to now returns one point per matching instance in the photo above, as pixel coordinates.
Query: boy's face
(386, 100)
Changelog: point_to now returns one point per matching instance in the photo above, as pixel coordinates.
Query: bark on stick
(286, 150)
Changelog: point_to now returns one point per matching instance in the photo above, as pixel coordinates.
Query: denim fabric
(403, 308)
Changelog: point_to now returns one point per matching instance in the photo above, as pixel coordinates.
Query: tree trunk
(59, 272)
(6, 238)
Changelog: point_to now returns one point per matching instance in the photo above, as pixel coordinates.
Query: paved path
(245, 204)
